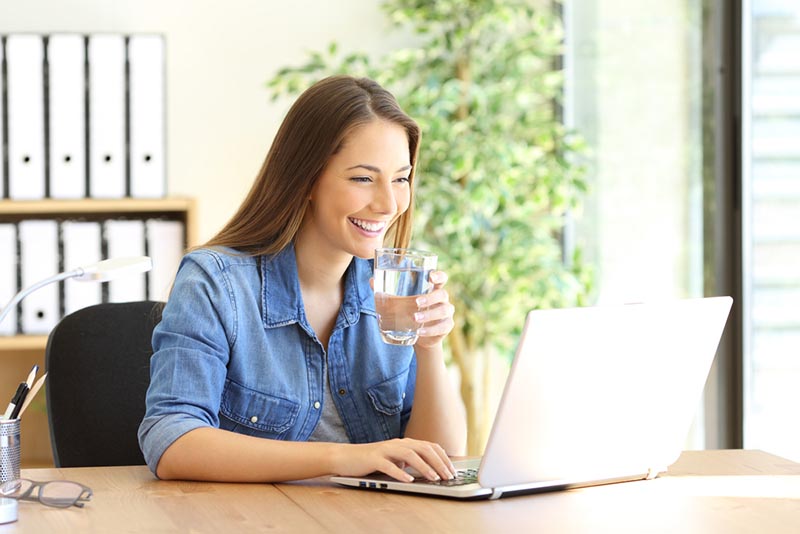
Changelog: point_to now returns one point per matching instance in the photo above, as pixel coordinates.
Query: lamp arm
(38, 285)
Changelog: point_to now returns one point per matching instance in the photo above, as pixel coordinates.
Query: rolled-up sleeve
(191, 348)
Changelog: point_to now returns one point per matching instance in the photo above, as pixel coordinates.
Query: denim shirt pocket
(387, 400)
(256, 413)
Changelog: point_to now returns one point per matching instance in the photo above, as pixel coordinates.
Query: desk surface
(704, 491)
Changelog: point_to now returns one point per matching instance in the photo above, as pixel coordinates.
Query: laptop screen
(602, 391)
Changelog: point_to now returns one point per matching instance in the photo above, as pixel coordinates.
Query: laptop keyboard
(463, 476)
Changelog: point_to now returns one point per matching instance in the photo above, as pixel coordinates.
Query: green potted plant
(497, 170)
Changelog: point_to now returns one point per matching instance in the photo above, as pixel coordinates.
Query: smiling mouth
(368, 226)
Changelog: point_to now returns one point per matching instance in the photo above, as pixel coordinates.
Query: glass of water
(401, 275)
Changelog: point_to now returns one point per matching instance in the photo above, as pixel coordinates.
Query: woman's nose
(383, 200)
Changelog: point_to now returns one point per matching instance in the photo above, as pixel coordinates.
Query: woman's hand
(390, 457)
(435, 313)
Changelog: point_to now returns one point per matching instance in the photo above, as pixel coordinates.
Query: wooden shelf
(19, 343)
(93, 205)
(178, 207)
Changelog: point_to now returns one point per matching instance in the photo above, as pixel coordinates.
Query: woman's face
(362, 191)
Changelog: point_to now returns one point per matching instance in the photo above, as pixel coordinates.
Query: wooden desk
(705, 491)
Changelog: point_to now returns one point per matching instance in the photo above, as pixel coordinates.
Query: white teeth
(368, 226)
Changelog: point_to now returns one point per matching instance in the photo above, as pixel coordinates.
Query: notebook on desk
(594, 395)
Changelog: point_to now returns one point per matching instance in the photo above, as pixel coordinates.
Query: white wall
(220, 120)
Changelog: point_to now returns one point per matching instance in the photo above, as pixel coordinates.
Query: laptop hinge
(653, 472)
(496, 493)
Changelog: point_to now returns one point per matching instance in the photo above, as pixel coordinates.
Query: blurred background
(688, 110)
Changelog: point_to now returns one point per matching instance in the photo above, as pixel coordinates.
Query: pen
(31, 394)
(15, 400)
(18, 403)
(32, 376)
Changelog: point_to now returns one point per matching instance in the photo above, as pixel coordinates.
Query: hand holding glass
(401, 275)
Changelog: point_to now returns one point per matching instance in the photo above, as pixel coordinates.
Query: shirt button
(316, 405)
(342, 391)
(404, 394)
(254, 419)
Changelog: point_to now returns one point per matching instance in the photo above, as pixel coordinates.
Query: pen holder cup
(9, 450)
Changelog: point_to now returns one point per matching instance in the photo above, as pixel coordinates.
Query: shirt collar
(282, 301)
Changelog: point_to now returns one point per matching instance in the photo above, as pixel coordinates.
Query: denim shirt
(234, 350)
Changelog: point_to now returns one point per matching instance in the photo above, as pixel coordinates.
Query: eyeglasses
(58, 493)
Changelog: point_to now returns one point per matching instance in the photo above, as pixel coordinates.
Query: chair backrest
(98, 370)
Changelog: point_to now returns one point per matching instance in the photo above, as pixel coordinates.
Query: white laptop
(594, 395)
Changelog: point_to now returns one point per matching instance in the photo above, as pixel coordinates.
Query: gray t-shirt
(330, 427)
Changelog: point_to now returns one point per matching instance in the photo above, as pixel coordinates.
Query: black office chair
(98, 370)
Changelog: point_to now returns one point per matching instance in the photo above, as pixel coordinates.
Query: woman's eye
(361, 179)
(402, 179)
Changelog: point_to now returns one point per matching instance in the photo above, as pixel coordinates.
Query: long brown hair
(314, 130)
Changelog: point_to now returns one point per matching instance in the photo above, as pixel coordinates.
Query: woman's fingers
(415, 460)
(435, 456)
(436, 316)
(439, 279)
(390, 469)
(437, 294)
(428, 459)
(435, 313)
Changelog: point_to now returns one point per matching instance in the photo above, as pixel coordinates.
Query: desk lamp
(102, 271)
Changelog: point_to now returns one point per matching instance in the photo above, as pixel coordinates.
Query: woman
(268, 363)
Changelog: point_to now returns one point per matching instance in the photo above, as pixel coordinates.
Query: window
(634, 91)
(654, 87)
(771, 224)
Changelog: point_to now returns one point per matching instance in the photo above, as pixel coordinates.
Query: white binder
(125, 238)
(165, 243)
(25, 64)
(82, 243)
(65, 59)
(107, 116)
(8, 276)
(38, 244)
(146, 92)
(2, 138)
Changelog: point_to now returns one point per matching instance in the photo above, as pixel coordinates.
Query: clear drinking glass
(401, 275)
